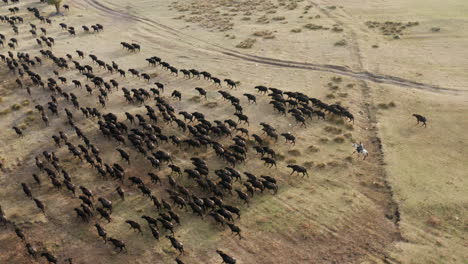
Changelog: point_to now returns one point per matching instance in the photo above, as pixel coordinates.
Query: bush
(313, 149)
(324, 140)
(382, 106)
(279, 18)
(313, 26)
(246, 44)
(15, 107)
(341, 43)
(339, 140)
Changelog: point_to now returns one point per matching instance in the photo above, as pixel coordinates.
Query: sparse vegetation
(341, 43)
(324, 140)
(246, 44)
(333, 130)
(294, 152)
(337, 29)
(15, 107)
(312, 149)
(279, 18)
(314, 27)
(5, 112)
(339, 140)
(390, 28)
(265, 34)
(211, 105)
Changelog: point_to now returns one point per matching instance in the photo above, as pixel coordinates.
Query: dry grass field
(407, 202)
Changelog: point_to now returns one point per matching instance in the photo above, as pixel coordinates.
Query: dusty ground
(346, 212)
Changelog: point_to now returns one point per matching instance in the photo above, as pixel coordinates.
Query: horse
(360, 149)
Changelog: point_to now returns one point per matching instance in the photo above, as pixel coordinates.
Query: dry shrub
(341, 43)
(382, 106)
(389, 28)
(324, 140)
(308, 164)
(29, 119)
(333, 163)
(296, 30)
(349, 126)
(246, 44)
(320, 165)
(211, 105)
(330, 96)
(344, 95)
(391, 104)
(313, 149)
(333, 130)
(375, 46)
(339, 140)
(348, 135)
(291, 6)
(314, 27)
(334, 87)
(294, 152)
(434, 221)
(5, 112)
(245, 19)
(263, 20)
(280, 157)
(337, 29)
(291, 161)
(349, 159)
(279, 18)
(336, 120)
(266, 34)
(196, 99)
(435, 29)
(15, 107)
(337, 79)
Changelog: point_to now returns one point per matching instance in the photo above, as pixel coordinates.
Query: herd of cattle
(144, 137)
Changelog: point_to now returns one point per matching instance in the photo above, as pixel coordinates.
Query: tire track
(391, 207)
(335, 69)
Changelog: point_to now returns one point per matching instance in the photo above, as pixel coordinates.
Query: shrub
(15, 107)
(341, 43)
(246, 44)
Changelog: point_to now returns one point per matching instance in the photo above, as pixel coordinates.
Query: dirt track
(210, 47)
